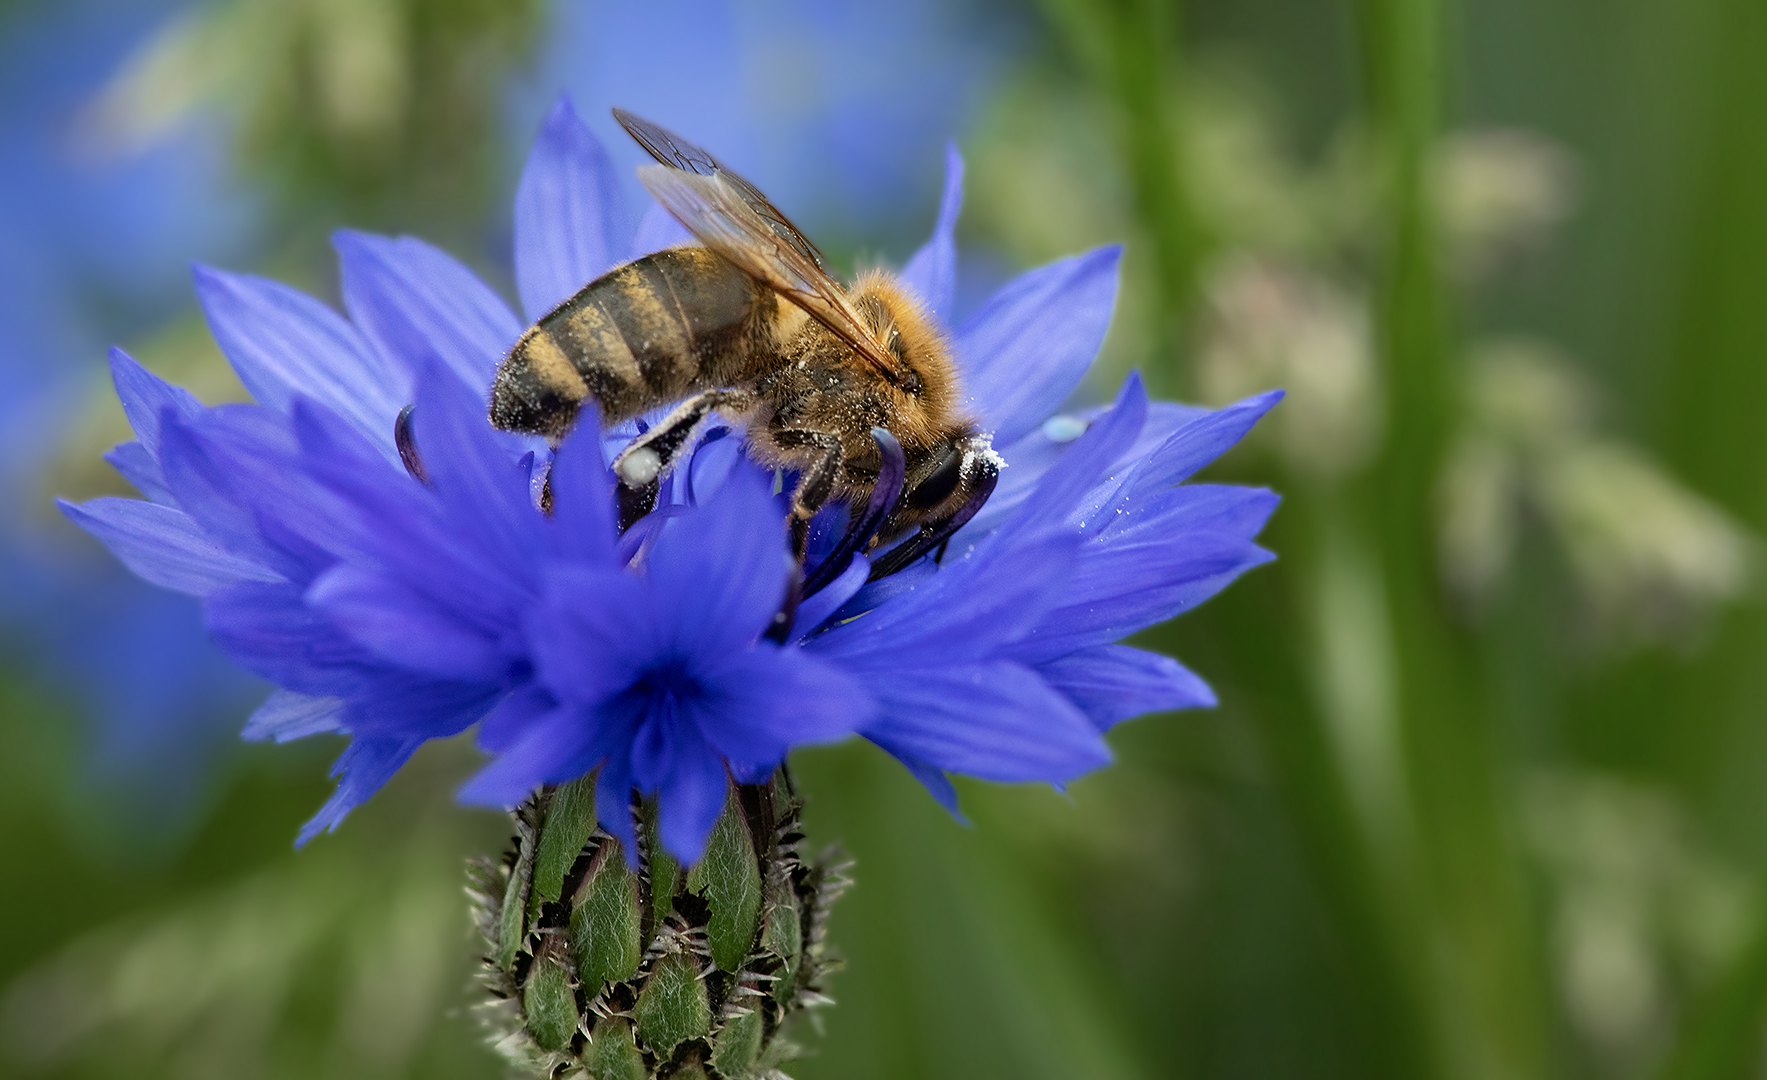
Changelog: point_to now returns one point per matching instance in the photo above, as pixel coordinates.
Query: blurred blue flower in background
(397, 610)
(93, 247)
(835, 110)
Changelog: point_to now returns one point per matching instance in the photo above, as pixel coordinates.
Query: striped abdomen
(641, 335)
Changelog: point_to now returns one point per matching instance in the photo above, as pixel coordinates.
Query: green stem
(1129, 51)
(1268, 669)
(1487, 986)
(1721, 1037)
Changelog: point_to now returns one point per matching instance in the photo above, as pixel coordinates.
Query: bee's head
(928, 394)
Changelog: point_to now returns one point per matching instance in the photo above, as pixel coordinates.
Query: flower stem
(1488, 998)
(1129, 49)
(1721, 1038)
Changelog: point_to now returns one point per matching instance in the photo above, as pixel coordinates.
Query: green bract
(603, 972)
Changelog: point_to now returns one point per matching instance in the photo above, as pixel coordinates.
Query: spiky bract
(607, 967)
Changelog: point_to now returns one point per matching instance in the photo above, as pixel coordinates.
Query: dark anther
(407, 444)
(883, 499)
(635, 502)
(935, 533)
(780, 629)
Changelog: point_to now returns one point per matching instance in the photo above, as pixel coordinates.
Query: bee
(750, 326)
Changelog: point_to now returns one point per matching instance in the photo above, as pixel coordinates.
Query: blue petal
(481, 485)
(689, 802)
(285, 344)
(564, 208)
(270, 631)
(1035, 454)
(875, 594)
(1209, 508)
(932, 271)
(719, 574)
(962, 615)
(756, 705)
(1112, 683)
(613, 802)
(998, 721)
(710, 466)
(658, 229)
(1193, 446)
(419, 306)
(404, 627)
(1029, 346)
(938, 784)
(1118, 589)
(364, 769)
(365, 513)
(593, 635)
(287, 715)
(145, 396)
(515, 716)
(390, 703)
(583, 524)
(1078, 471)
(136, 464)
(558, 746)
(234, 472)
(163, 545)
(814, 611)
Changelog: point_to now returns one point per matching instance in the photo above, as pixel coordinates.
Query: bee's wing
(725, 220)
(672, 150)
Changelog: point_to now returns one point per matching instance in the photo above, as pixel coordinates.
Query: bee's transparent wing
(676, 152)
(724, 219)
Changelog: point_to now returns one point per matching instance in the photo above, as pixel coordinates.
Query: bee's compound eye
(940, 483)
(639, 466)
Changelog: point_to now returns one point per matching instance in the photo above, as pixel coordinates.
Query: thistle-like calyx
(603, 970)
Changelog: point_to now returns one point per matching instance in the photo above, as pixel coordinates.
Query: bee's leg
(980, 476)
(644, 462)
(816, 483)
(884, 493)
(654, 454)
(635, 503)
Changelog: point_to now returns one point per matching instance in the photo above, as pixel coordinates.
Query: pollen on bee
(640, 467)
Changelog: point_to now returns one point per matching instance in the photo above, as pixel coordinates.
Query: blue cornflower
(402, 583)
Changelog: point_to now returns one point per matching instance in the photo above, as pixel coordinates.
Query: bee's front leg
(817, 481)
(815, 485)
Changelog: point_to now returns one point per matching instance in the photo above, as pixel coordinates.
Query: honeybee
(750, 326)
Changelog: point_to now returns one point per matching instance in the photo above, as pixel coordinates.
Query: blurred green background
(1486, 796)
